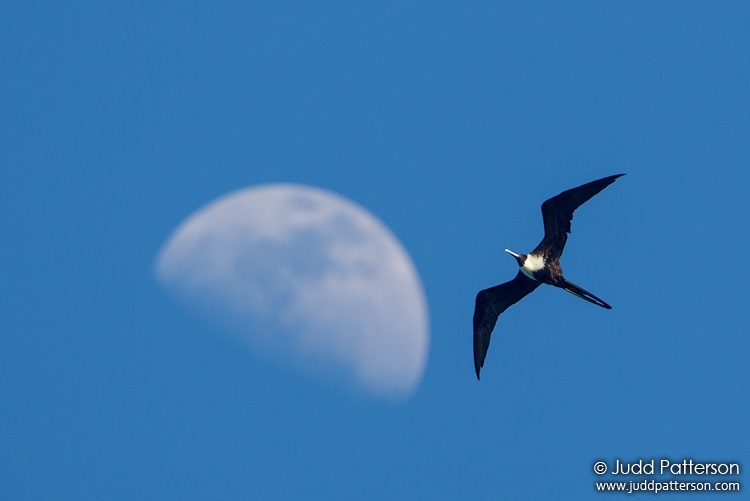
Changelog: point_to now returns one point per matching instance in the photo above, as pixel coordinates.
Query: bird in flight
(540, 266)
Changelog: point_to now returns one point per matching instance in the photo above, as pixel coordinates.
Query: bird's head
(521, 258)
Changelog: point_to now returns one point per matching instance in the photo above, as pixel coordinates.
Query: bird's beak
(512, 253)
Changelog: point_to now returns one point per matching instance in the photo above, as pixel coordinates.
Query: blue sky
(451, 123)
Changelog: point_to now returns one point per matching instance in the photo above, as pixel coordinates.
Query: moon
(308, 277)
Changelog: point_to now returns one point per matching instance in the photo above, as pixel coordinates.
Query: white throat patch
(533, 263)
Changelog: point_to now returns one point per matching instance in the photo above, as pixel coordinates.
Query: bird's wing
(557, 213)
(489, 305)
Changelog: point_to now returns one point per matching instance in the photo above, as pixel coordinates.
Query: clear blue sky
(450, 122)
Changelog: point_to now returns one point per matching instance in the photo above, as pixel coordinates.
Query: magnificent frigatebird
(540, 266)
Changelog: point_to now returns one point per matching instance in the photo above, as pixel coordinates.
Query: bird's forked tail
(583, 294)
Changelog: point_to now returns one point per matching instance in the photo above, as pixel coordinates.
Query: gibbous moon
(309, 277)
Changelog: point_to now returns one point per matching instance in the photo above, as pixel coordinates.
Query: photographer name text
(666, 466)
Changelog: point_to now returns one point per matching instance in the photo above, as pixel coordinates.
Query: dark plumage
(540, 266)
